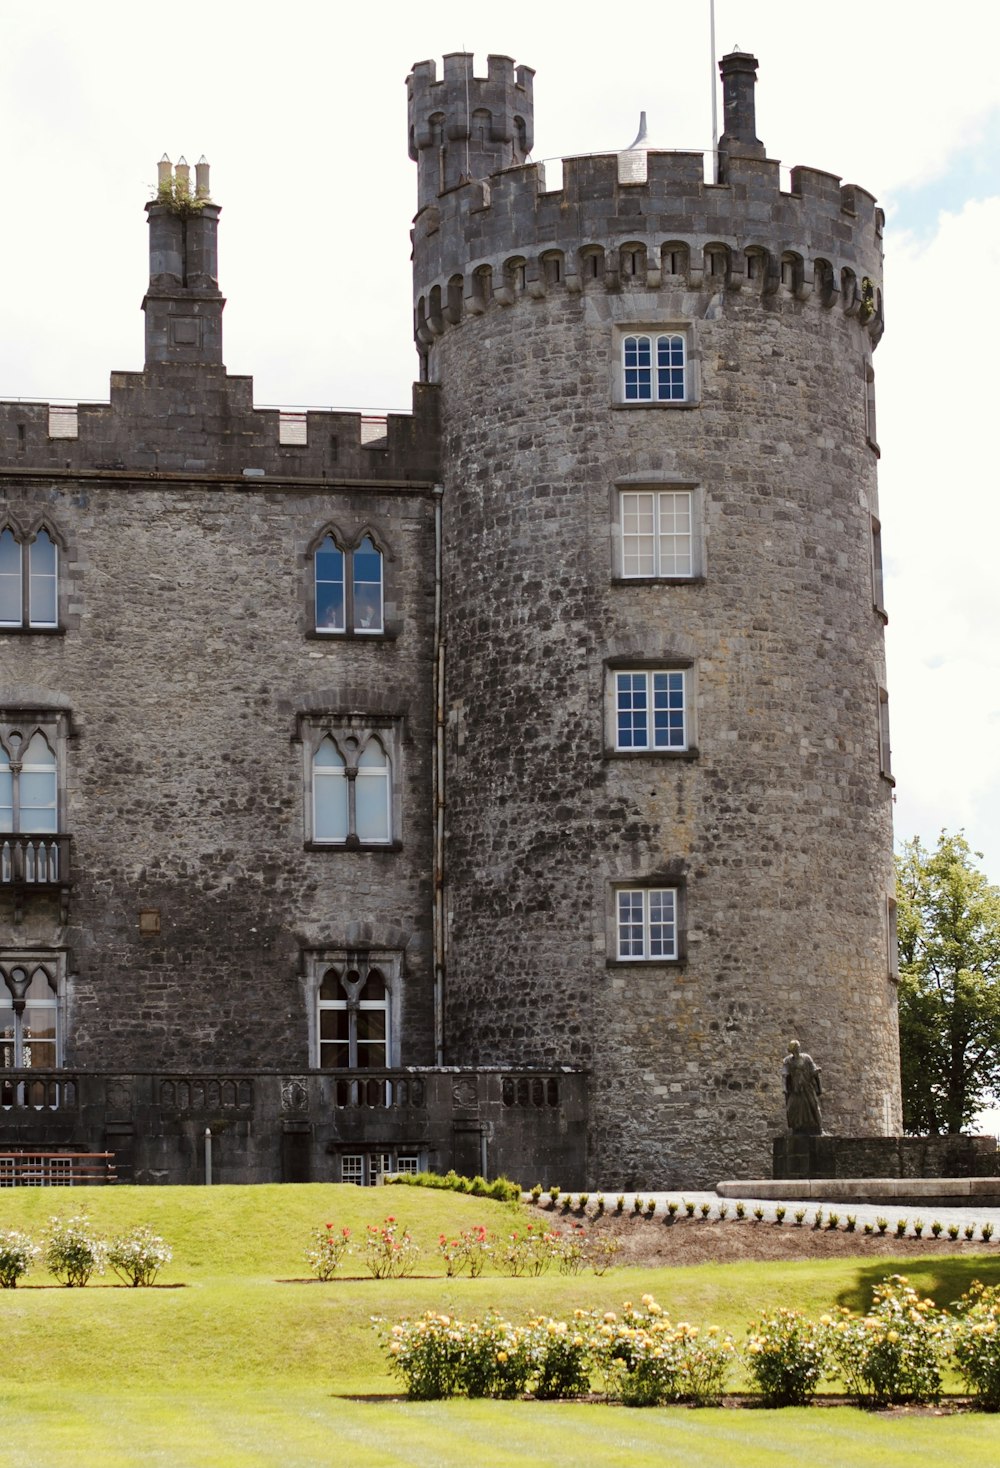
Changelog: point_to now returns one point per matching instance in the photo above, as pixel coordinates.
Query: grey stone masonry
(768, 824)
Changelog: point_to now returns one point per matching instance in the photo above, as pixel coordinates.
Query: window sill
(353, 844)
(389, 634)
(874, 447)
(657, 403)
(678, 962)
(882, 615)
(889, 779)
(691, 753)
(697, 580)
(32, 631)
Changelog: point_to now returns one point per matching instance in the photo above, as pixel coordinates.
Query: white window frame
(365, 1168)
(637, 692)
(648, 371)
(647, 924)
(317, 963)
(884, 747)
(354, 738)
(652, 514)
(15, 1038)
(28, 578)
(362, 601)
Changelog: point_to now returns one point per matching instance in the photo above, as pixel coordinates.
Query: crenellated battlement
(151, 428)
(466, 127)
(647, 220)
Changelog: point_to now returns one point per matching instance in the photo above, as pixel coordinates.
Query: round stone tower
(668, 795)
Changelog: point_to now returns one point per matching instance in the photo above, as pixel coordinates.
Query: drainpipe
(438, 786)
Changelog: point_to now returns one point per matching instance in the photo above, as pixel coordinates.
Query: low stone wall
(268, 1126)
(886, 1157)
(941, 1192)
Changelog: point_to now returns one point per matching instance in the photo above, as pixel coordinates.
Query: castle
(498, 786)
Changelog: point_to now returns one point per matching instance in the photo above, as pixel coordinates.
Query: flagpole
(715, 113)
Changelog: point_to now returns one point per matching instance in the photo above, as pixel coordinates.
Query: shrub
(852, 1223)
(650, 1207)
(599, 1204)
(937, 1229)
(601, 1254)
(741, 1210)
(554, 1194)
(584, 1200)
(881, 1224)
(977, 1343)
(818, 1218)
(672, 1207)
(647, 1359)
(689, 1209)
(493, 1359)
(786, 1356)
(833, 1221)
(799, 1216)
(895, 1352)
(620, 1203)
(901, 1226)
(953, 1230)
(969, 1230)
(138, 1256)
(501, 1189)
(17, 1254)
(758, 1213)
(918, 1228)
(426, 1354)
(389, 1252)
(705, 1209)
(869, 1228)
(72, 1252)
(636, 1204)
(470, 1250)
(329, 1246)
(779, 1213)
(530, 1252)
(723, 1210)
(986, 1232)
(536, 1192)
(559, 1359)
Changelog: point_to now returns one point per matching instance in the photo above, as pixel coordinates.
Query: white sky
(301, 110)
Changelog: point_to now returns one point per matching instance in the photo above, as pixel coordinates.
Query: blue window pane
(632, 711)
(10, 580)
(367, 587)
(329, 587)
(6, 798)
(42, 601)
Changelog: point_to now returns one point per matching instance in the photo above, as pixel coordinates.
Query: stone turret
(466, 127)
(661, 492)
(183, 303)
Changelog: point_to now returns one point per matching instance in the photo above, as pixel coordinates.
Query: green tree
(949, 984)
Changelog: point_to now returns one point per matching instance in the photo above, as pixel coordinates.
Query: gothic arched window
(353, 1019)
(29, 580)
(348, 587)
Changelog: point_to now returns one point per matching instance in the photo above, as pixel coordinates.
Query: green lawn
(250, 1363)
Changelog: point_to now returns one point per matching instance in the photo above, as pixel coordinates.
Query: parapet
(200, 426)
(466, 127)
(638, 218)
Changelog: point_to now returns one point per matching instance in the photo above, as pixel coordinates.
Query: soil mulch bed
(654, 1241)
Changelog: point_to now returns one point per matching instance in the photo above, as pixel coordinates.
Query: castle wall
(186, 660)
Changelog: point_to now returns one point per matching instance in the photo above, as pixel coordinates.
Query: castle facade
(499, 785)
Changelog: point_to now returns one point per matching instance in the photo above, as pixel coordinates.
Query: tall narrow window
(10, 581)
(372, 792)
(884, 751)
(650, 709)
(647, 923)
(42, 581)
(353, 1020)
(331, 821)
(329, 564)
(657, 530)
(367, 566)
(878, 581)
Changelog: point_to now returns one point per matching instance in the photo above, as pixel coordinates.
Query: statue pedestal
(884, 1157)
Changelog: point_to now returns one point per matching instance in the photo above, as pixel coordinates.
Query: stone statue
(802, 1092)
